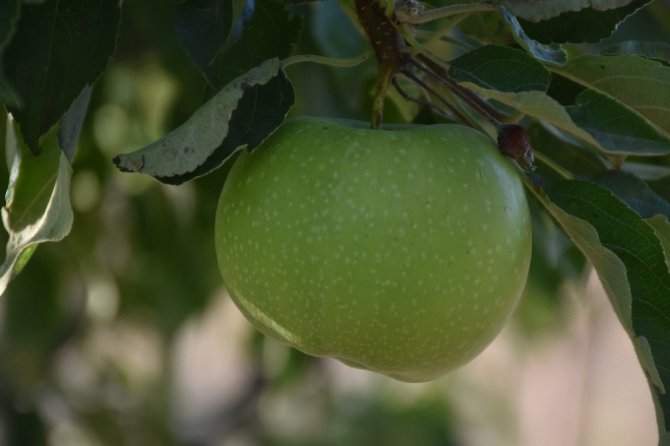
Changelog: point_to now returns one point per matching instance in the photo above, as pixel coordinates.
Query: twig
(421, 101)
(474, 101)
(442, 99)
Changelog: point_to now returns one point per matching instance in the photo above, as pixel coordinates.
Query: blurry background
(123, 335)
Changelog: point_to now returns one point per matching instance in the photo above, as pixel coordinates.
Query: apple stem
(381, 25)
(381, 88)
(387, 44)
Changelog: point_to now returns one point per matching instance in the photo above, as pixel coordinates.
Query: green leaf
(9, 16)
(500, 68)
(486, 27)
(37, 207)
(59, 47)
(630, 261)
(545, 9)
(596, 120)
(271, 32)
(564, 151)
(334, 32)
(646, 171)
(72, 123)
(586, 25)
(661, 186)
(634, 192)
(661, 225)
(617, 129)
(539, 106)
(244, 112)
(651, 50)
(203, 28)
(554, 260)
(640, 84)
(543, 53)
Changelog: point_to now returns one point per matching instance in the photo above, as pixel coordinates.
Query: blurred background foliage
(122, 333)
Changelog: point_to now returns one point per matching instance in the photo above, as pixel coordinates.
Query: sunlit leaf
(37, 207)
(243, 113)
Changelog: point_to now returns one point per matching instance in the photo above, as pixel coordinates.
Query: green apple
(401, 251)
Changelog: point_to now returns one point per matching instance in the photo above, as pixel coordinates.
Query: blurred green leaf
(616, 128)
(586, 25)
(640, 84)
(500, 68)
(59, 47)
(271, 32)
(334, 32)
(244, 112)
(203, 28)
(37, 205)
(631, 264)
(9, 15)
(340, 91)
(24, 426)
(375, 421)
(555, 260)
(486, 27)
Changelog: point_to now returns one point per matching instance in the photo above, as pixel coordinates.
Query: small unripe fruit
(401, 251)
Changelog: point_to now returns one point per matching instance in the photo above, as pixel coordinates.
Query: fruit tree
(386, 183)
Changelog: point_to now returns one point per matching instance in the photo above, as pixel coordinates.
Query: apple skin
(399, 251)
